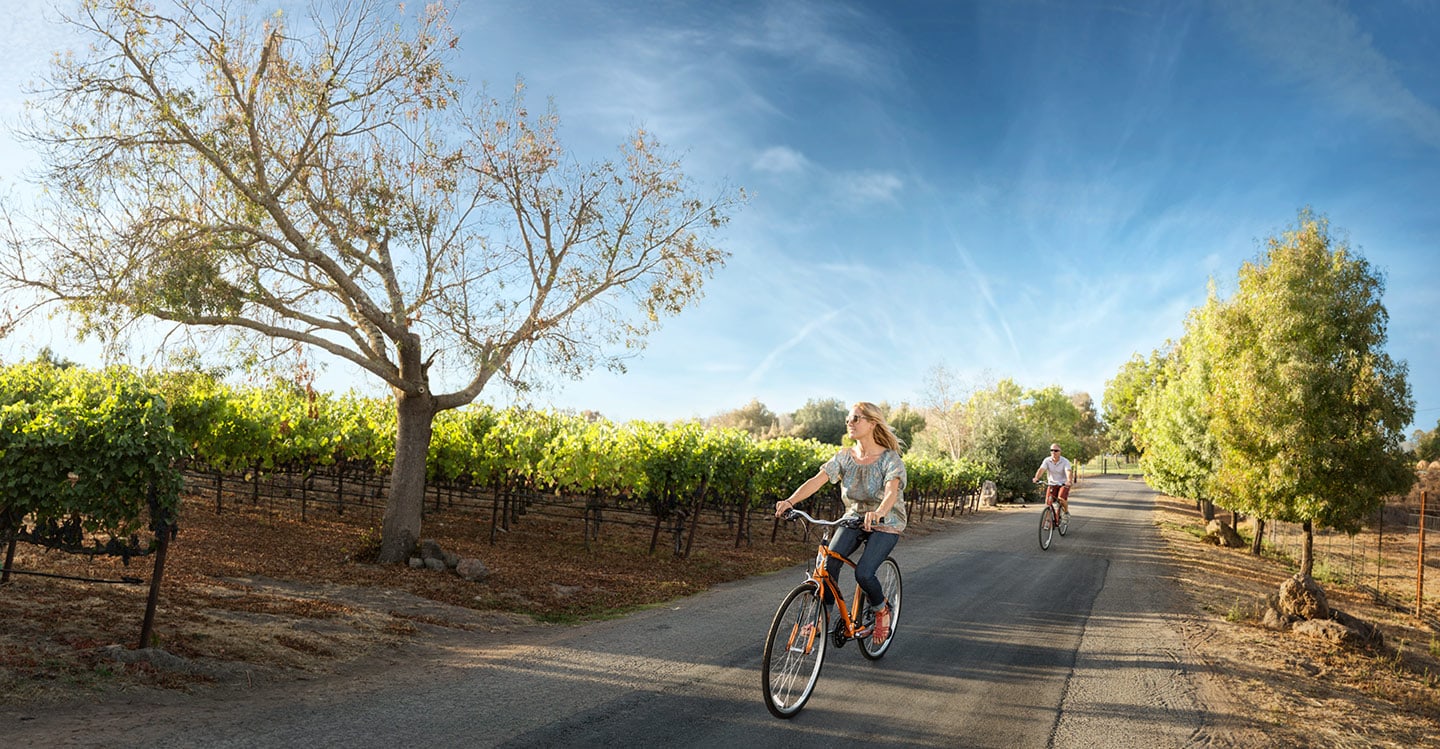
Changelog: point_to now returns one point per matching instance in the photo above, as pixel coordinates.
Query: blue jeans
(877, 547)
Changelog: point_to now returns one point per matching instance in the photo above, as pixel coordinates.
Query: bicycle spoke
(794, 652)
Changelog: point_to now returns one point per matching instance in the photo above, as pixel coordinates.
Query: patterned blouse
(862, 486)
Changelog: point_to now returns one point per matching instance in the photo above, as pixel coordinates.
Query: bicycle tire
(889, 575)
(1047, 527)
(791, 665)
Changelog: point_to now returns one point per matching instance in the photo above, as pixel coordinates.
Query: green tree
(906, 422)
(1174, 418)
(821, 420)
(1308, 408)
(331, 183)
(1122, 399)
(1001, 439)
(1427, 444)
(1051, 416)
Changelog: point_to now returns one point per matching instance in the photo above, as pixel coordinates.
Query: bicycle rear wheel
(794, 651)
(1047, 527)
(889, 575)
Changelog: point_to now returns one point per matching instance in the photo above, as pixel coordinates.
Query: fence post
(1420, 562)
(1380, 551)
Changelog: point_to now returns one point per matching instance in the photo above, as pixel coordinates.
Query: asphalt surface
(999, 644)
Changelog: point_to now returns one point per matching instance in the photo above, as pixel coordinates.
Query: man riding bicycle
(1059, 477)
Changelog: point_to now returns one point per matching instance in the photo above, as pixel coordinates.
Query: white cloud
(781, 160)
(868, 187)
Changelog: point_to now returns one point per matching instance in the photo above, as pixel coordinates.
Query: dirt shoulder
(1296, 690)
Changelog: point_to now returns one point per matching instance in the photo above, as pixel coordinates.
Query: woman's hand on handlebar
(782, 507)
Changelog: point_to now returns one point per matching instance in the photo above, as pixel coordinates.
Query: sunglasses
(1054, 451)
(853, 418)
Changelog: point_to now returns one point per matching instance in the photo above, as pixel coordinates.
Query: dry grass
(252, 594)
(1299, 691)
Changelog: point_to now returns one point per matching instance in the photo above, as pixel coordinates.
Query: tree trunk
(1307, 553)
(415, 417)
(1259, 536)
(1207, 510)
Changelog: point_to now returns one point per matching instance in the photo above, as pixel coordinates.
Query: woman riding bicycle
(1058, 477)
(872, 487)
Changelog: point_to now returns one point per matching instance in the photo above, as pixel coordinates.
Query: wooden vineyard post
(9, 557)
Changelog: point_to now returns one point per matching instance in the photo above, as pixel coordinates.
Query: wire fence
(1393, 556)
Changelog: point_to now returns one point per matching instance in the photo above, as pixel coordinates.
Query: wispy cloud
(813, 325)
(981, 284)
(780, 160)
(1322, 45)
(868, 187)
(825, 36)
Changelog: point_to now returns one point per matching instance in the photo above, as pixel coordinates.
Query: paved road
(1000, 645)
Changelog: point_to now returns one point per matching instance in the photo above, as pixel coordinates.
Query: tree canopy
(1122, 402)
(822, 420)
(1427, 444)
(1173, 422)
(906, 422)
(1309, 410)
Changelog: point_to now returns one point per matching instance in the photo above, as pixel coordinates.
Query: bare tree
(327, 181)
(943, 407)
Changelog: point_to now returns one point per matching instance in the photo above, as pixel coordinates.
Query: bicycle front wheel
(1047, 527)
(794, 651)
(889, 575)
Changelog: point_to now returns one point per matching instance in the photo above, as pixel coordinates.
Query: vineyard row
(356, 490)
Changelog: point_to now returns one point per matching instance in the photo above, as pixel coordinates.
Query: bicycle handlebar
(794, 514)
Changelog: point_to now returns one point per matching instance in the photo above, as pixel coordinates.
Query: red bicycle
(1051, 518)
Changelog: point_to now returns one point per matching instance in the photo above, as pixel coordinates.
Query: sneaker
(881, 632)
(1065, 515)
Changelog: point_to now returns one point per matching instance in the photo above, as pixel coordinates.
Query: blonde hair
(883, 435)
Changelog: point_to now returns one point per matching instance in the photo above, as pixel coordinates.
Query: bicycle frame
(1052, 496)
(820, 575)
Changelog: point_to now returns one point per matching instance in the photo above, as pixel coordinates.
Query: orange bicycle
(796, 645)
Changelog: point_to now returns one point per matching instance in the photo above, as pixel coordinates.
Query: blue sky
(1025, 189)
